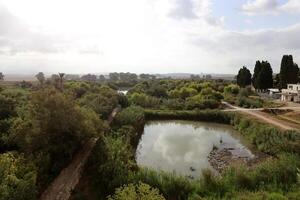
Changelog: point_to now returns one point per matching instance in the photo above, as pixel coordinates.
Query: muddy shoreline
(224, 156)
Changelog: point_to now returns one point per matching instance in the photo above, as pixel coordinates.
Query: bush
(141, 191)
(52, 130)
(143, 100)
(172, 186)
(133, 116)
(231, 89)
(111, 162)
(247, 102)
(198, 115)
(17, 178)
(102, 101)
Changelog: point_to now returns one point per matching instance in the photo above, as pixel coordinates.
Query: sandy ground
(257, 113)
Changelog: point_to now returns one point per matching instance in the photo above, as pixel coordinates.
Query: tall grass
(278, 176)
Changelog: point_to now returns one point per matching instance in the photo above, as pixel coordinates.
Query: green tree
(7, 107)
(52, 129)
(265, 76)
(141, 191)
(141, 99)
(61, 79)
(114, 76)
(244, 77)
(288, 71)
(112, 160)
(102, 78)
(40, 77)
(103, 100)
(257, 70)
(89, 78)
(17, 178)
(132, 115)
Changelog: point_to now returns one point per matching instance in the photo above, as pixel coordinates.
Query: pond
(183, 147)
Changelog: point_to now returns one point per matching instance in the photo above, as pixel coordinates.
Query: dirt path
(66, 181)
(264, 116)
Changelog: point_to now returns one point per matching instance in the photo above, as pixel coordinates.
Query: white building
(274, 93)
(292, 93)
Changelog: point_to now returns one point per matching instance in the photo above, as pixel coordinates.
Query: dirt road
(263, 116)
(66, 181)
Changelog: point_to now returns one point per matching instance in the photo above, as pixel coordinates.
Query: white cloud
(134, 35)
(292, 6)
(260, 7)
(265, 7)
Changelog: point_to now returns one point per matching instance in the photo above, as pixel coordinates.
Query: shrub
(141, 191)
(17, 178)
(133, 116)
(111, 162)
(143, 100)
(172, 186)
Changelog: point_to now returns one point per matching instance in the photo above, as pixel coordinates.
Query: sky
(146, 36)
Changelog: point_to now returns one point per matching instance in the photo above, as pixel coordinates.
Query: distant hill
(19, 77)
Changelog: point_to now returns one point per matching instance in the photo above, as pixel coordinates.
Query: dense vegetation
(44, 124)
(42, 127)
(274, 178)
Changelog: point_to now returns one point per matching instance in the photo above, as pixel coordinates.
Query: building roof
(273, 90)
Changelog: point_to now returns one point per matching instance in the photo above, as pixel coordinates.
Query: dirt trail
(66, 181)
(264, 116)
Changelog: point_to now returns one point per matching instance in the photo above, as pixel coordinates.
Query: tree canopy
(244, 77)
(263, 75)
(40, 77)
(288, 71)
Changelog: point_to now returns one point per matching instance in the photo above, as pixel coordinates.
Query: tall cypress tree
(244, 77)
(257, 70)
(265, 76)
(288, 71)
(283, 71)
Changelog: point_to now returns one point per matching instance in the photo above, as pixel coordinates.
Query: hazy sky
(154, 36)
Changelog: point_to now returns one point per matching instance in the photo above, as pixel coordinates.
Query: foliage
(111, 162)
(171, 185)
(265, 76)
(52, 129)
(17, 178)
(136, 192)
(288, 71)
(267, 139)
(244, 77)
(40, 77)
(146, 101)
(231, 89)
(275, 177)
(256, 74)
(7, 107)
(199, 115)
(247, 102)
(132, 115)
(102, 100)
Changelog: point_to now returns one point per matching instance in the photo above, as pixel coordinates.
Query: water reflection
(123, 91)
(182, 146)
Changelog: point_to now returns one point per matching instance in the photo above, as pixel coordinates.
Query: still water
(183, 146)
(123, 91)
